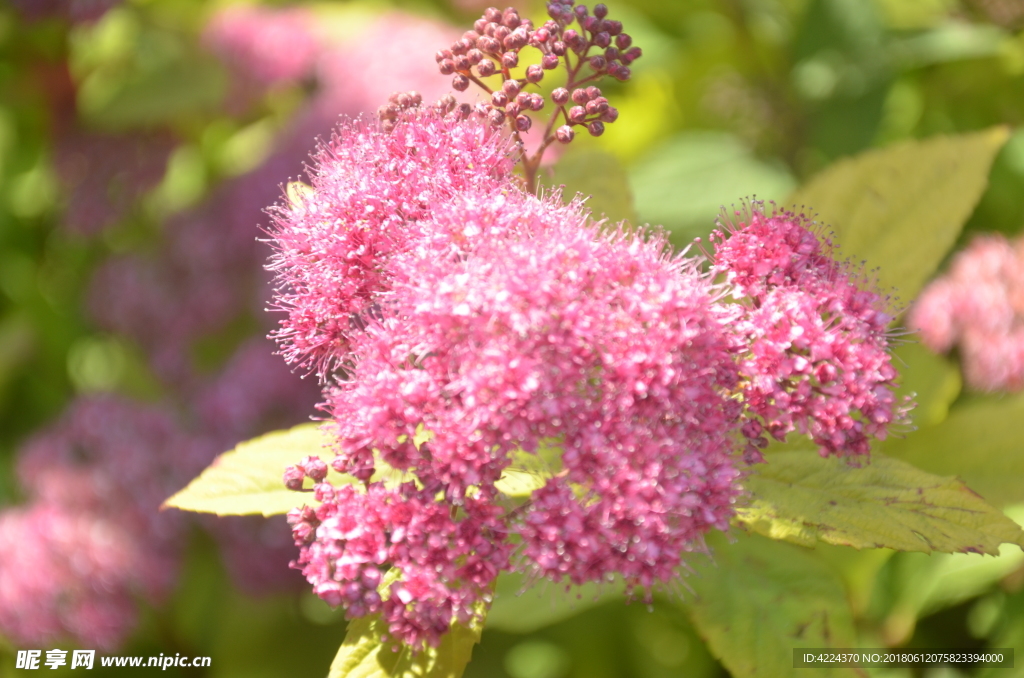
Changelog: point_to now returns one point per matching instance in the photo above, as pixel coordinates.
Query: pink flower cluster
(336, 240)
(458, 320)
(91, 542)
(978, 307)
(815, 341)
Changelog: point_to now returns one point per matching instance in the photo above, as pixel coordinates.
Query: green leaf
(901, 208)
(518, 611)
(932, 381)
(600, 178)
(758, 599)
(977, 442)
(363, 655)
(918, 585)
(530, 471)
(685, 182)
(249, 479)
(800, 497)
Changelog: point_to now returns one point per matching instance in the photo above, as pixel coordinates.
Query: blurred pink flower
(264, 45)
(978, 307)
(68, 574)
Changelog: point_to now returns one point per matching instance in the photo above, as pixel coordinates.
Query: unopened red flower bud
(570, 36)
(510, 18)
(611, 115)
(597, 62)
(613, 28)
(549, 62)
(488, 45)
(579, 96)
(499, 99)
(510, 59)
(602, 39)
(622, 73)
(523, 123)
(523, 99)
(314, 468)
(534, 73)
(580, 11)
(513, 109)
(577, 114)
(558, 48)
(442, 54)
(511, 87)
(596, 107)
(293, 477)
(564, 134)
(540, 36)
(447, 67)
(611, 54)
(536, 102)
(480, 25)
(502, 32)
(596, 128)
(475, 56)
(458, 48)
(590, 23)
(496, 117)
(462, 63)
(633, 53)
(460, 83)
(486, 68)
(560, 96)
(600, 10)
(492, 14)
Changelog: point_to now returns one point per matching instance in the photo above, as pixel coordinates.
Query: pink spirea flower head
(816, 358)
(510, 321)
(978, 306)
(370, 193)
(67, 574)
(546, 327)
(265, 45)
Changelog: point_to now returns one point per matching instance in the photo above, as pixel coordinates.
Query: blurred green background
(138, 148)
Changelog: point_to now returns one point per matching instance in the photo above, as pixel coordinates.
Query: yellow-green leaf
(600, 178)
(248, 480)
(363, 655)
(978, 442)
(530, 471)
(901, 208)
(800, 497)
(757, 599)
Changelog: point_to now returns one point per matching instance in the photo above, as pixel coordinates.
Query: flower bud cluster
(978, 306)
(595, 48)
(815, 332)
